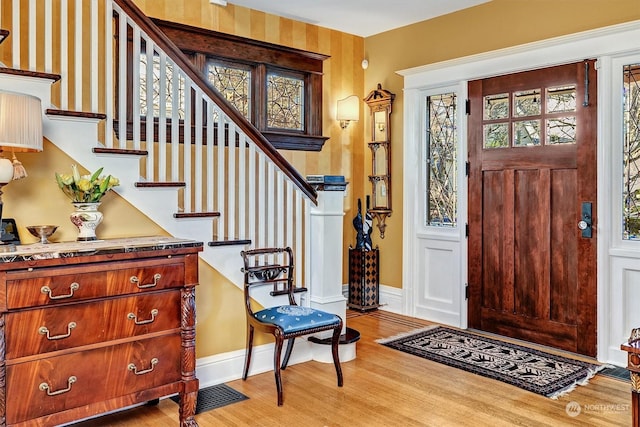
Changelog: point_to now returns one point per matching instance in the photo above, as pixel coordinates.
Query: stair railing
(113, 60)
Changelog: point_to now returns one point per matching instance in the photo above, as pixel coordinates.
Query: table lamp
(20, 131)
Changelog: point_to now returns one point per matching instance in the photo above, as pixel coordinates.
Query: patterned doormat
(215, 397)
(533, 370)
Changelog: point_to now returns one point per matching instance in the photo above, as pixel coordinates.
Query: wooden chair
(275, 267)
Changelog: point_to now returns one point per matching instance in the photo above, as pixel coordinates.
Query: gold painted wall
(220, 327)
(490, 26)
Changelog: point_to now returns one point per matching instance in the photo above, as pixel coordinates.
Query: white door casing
(435, 260)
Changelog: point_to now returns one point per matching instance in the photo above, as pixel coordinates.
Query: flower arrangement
(85, 188)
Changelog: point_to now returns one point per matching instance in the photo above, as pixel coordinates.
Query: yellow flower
(85, 188)
(84, 184)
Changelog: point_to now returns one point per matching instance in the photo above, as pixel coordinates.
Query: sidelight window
(631, 154)
(441, 160)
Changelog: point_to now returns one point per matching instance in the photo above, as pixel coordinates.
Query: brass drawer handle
(132, 367)
(47, 290)
(45, 387)
(44, 331)
(133, 317)
(156, 277)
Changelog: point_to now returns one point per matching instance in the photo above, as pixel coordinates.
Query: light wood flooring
(385, 387)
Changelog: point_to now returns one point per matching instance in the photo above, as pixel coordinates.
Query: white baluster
(197, 163)
(210, 161)
(135, 87)
(33, 36)
(162, 120)
(230, 215)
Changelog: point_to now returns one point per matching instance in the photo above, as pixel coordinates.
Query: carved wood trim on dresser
(91, 327)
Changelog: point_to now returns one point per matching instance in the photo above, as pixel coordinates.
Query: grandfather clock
(380, 102)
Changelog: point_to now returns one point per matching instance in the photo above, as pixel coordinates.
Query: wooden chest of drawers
(94, 327)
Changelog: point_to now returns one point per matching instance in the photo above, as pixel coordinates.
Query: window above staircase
(278, 89)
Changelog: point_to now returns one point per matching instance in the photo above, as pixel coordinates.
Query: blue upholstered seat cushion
(293, 318)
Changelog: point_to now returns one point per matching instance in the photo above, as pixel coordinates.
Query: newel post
(326, 258)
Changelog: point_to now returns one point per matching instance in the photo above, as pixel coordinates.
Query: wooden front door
(532, 154)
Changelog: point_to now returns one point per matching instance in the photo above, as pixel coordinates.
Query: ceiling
(360, 17)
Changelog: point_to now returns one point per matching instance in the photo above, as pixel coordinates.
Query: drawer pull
(133, 317)
(45, 387)
(156, 278)
(47, 290)
(44, 331)
(132, 367)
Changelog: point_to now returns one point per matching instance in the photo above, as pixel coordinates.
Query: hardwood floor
(385, 387)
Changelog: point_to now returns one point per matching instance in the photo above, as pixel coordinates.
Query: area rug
(533, 370)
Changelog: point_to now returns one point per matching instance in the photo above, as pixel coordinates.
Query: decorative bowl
(42, 232)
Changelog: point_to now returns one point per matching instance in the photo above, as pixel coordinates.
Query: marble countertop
(37, 251)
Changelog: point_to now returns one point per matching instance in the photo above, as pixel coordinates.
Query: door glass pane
(285, 102)
(561, 99)
(496, 135)
(526, 133)
(561, 130)
(442, 160)
(526, 103)
(496, 106)
(631, 133)
(233, 83)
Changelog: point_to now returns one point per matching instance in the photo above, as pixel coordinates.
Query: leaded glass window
(168, 89)
(441, 160)
(285, 102)
(233, 83)
(538, 116)
(631, 155)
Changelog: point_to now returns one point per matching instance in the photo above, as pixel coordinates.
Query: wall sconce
(348, 110)
(21, 131)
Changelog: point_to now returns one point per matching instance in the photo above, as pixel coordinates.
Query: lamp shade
(20, 122)
(348, 108)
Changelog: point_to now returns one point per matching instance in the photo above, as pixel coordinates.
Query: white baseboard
(390, 298)
(225, 367)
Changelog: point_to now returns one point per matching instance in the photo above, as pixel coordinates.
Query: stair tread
(126, 151)
(196, 214)
(73, 113)
(229, 242)
(159, 184)
(28, 73)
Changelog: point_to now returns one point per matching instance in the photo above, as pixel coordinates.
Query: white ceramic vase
(86, 218)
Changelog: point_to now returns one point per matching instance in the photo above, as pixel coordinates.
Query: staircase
(194, 149)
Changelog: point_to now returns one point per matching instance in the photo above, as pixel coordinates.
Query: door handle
(586, 223)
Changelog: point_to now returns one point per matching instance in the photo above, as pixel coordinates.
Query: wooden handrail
(176, 55)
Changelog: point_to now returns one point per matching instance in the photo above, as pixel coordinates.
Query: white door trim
(602, 44)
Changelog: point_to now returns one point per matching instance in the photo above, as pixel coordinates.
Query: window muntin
(441, 146)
